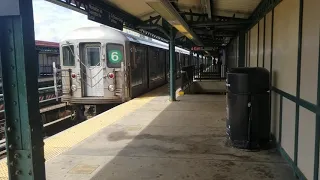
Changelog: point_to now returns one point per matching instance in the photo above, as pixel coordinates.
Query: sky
(53, 22)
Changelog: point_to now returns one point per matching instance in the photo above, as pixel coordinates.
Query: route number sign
(115, 56)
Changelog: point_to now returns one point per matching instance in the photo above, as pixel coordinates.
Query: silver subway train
(101, 65)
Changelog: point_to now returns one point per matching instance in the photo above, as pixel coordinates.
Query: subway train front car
(101, 66)
(93, 66)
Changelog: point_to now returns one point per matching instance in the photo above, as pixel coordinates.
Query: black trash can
(248, 114)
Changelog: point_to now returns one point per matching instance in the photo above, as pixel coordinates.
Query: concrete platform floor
(163, 140)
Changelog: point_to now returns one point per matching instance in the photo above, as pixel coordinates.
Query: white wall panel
(267, 53)
(261, 37)
(285, 46)
(275, 110)
(288, 126)
(246, 49)
(307, 124)
(254, 46)
(310, 50)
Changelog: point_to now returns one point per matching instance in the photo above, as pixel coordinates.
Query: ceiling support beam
(172, 16)
(75, 5)
(262, 9)
(221, 23)
(155, 27)
(153, 20)
(210, 9)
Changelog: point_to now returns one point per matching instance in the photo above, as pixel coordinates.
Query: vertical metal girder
(24, 138)
(241, 49)
(172, 65)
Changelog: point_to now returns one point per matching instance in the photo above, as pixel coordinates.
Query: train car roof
(105, 32)
(101, 32)
(145, 41)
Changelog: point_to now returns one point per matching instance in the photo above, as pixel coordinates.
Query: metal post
(172, 66)
(55, 84)
(23, 128)
(198, 67)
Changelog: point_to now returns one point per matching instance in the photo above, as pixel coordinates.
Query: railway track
(3, 150)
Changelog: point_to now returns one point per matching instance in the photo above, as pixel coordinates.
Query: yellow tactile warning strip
(65, 140)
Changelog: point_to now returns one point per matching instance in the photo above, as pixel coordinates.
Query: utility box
(248, 107)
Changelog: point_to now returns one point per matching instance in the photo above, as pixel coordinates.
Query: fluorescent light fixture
(180, 28)
(189, 36)
(165, 9)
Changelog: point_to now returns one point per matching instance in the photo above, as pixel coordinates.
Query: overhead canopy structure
(209, 23)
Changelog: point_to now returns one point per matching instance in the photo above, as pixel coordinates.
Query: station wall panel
(245, 49)
(310, 50)
(232, 53)
(275, 112)
(267, 51)
(254, 46)
(288, 126)
(261, 39)
(248, 49)
(306, 141)
(285, 46)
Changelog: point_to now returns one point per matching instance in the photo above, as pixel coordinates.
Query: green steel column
(23, 128)
(172, 65)
(242, 49)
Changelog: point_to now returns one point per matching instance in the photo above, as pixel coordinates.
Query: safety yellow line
(65, 140)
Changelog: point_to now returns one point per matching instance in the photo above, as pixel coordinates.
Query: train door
(92, 71)
(138, 56)
(178, 65)
(142, 56)
(167, 66)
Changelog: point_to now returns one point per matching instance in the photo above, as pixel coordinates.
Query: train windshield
(115, 55)
(68, 55)
(93, 56)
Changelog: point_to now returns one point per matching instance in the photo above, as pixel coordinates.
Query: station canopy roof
(205, 23)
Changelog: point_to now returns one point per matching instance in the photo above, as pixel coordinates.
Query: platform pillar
(172, 65)
(24, 135)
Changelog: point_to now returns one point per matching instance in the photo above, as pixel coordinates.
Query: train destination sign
(100, 15)
(201, 48)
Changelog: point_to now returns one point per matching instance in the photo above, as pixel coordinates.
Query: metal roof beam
(173, 17)
(155, 27)
(262, 9)
(74, 5)
(221, 23)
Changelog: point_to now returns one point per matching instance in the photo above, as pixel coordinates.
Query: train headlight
(73, 75)
(73, 87)
(111, 87)
(110, 75)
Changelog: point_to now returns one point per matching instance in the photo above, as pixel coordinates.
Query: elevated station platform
(152, 138)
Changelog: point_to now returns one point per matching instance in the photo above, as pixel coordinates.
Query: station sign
(100, 15)
(201, 48)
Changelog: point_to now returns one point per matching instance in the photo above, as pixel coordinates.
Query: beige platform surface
(152, 138)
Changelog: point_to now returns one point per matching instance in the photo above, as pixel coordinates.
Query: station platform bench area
(152, 138)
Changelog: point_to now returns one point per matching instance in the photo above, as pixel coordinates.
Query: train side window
(68, 56)
(114, 55)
